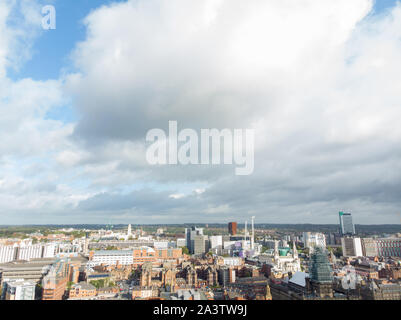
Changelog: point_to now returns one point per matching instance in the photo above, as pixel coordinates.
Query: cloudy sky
(318, 80)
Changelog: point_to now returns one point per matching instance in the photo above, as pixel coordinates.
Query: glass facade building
(346, 224)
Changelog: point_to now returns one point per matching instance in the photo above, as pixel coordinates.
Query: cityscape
(200, 158)
(236, 261)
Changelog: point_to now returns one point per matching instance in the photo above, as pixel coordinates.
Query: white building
(7, 253)
(215, 241)
(19, 290)
(111, 257)
(284, 263)
(160, 244)
(30, 252)
(49, 250)
(232, 261)
(181, 242)
(229, 244)
(352, 247)
(314, 239)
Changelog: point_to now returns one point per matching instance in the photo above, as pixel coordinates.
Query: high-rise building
(200, 244)
(190, 234)
(232, 228)
(346, 224)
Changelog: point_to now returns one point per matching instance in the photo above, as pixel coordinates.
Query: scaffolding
(319, 268)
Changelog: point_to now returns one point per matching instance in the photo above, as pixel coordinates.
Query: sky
(317, 80)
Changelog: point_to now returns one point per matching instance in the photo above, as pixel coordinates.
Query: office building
(215, 241)
(18, 290)
(313, 239)
(54, 284)
(381, 247)
(181, 242)
(346, 224)
(352, 247)
(201, 244)
(190, 234)
(27, 251)
(28, 270)
(232, 228)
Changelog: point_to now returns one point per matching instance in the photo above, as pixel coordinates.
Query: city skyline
(308, 79)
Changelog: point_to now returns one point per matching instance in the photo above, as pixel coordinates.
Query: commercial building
(381, 247)
(190, 234)
(226, 275)
(215, 241)
(181, 242)
(352, 247)
(232, 228)
(18, 290)
(33, 270)
(27, 252)
(54, 284)
(136, 257)
(313, 239)
(111, 257)
(346, 225)
(7, 253)
(201, 244)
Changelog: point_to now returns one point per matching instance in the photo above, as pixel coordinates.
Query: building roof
(84, 286)
(113, 252)
(299, 278)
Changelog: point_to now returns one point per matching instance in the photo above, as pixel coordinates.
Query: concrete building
(111, 257)
(351, 246)
(215, 241)
(7, 253)
(18, 290)
(27, 252)
(200, 244)
(33, 270)
(314, 239)
(181, 242)
(381, 247)
(190, 234)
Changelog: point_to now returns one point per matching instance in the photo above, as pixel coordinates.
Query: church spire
(276, 254)
(294, 250)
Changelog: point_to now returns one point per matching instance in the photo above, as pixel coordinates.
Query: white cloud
(317, 80)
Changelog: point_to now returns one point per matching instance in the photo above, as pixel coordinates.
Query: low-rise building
(82, 290)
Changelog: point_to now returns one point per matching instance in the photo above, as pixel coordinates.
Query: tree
(185, 250)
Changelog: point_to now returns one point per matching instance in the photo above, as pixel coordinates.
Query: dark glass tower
(346, 225)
